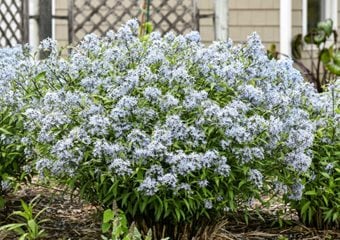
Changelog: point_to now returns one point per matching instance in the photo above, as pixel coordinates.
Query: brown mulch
(73, 219)
(68, 219)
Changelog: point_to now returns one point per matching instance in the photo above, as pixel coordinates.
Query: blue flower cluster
(167, 113)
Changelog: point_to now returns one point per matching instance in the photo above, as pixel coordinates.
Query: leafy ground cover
(71, 219)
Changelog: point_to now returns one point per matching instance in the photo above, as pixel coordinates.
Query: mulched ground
(72, 219)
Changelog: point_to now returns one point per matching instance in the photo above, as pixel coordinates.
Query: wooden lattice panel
(13, 22)
(173, 15)
(99, 16)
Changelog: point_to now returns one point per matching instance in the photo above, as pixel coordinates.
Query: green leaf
(326, 26)
(316, 36)
(325, 56)
(333, 68)
(325, 199)
(178, 214)
(335, 216)
(142, 205)
(310, 214)
(106, 227)
(42, 233)
(319, 38)
(22, 214)
(328, 215)
(305, 207)
(159, 212)
(148, 27)
(241, 183)
(310, 193)
(33, 227)
(309, 37)
(336, 58)
(5, 131)
(108, 215)
(12, 226)
(326, 175)
(40, 76)
(149, 235)
(27, 209)
(23, 237)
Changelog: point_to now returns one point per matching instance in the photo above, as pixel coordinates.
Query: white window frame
(330, 11)
(53, 19)
(285, 27)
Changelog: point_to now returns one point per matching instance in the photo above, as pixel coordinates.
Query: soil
(73, 219)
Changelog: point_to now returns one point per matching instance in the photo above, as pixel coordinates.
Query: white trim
(285, 26)
(221, 24)
(304, 17)
(334, 14)
(53, 19)
(33, 10)
(327, 10)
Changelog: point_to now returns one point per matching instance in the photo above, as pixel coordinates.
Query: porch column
(335, 14)
(221, 19)
(33, 10)
(285, 26)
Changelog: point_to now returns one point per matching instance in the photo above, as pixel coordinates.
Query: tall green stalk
(148, 10)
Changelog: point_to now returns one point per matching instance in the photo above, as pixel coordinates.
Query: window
(314, 11)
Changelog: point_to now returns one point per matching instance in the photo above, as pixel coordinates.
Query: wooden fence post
(70, 21)
(45, 19)
(45, 23)
(25, 22)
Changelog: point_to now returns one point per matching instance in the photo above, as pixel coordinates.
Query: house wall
(261, 16)
(296, 17)
(207, 31)
(61, 26)
(338, 16)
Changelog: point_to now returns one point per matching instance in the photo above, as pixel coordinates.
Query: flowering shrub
(174, 132)
(11, 127)
(320, 202)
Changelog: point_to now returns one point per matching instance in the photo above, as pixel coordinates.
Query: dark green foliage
(11, 150)
(320, 204)
(325, 66)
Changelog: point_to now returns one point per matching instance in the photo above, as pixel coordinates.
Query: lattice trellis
(99, 16)
(13, 22)
(175, 15)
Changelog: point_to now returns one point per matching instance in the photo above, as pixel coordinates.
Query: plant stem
(148, 10)
(318, 83)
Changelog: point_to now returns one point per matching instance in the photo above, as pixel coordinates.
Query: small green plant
(115, 222)
(282, 238)
(27, 224)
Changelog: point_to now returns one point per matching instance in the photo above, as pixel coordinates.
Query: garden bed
(73, 219)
